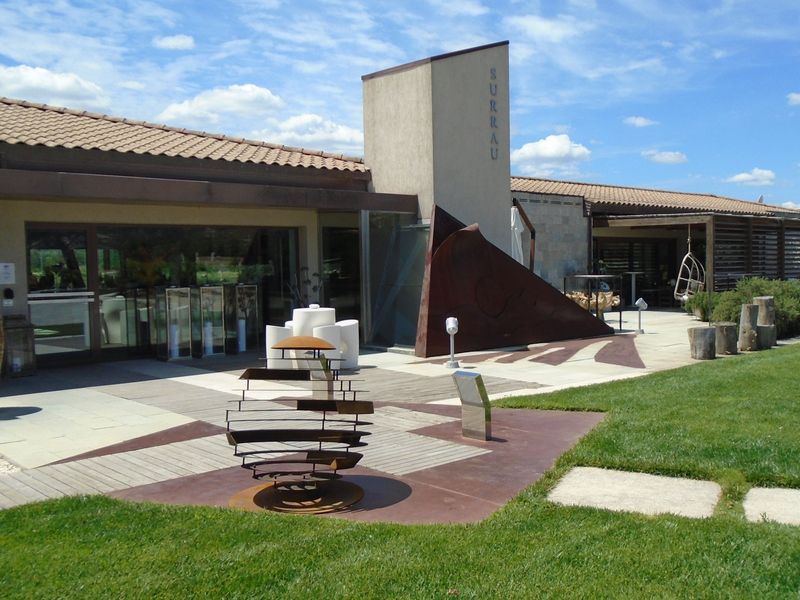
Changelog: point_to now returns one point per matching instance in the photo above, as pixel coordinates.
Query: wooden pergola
(736, 245)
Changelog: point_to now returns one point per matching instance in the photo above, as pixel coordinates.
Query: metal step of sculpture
(302, 444)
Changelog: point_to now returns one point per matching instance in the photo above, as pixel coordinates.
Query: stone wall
(562, 246)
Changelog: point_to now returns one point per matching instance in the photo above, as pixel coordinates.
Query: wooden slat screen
(730, 252)
(791, 253)
(765, 249)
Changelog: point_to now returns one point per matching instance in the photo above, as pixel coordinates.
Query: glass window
(130, 262)
(341, 271)
(397, 247)
(56, 261)
(57, 280)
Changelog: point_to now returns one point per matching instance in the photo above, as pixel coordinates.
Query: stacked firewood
(601, 301)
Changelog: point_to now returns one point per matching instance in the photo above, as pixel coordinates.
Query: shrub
(698, 304)
(728, 305)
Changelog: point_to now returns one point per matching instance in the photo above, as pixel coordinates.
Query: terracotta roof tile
(42, 125)
(613, 195)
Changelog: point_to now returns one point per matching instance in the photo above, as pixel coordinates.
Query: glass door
(341, 271)
(59, 298)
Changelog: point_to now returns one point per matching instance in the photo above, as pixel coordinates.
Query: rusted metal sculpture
(497, 301)
(301, 453)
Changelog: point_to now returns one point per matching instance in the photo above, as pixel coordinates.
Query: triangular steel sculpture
(497, 301)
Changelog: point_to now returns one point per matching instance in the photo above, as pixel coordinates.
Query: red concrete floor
(524, 444)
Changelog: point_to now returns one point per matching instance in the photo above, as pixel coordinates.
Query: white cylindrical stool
(349, 344)
(305, 319)
(174, 340)
(208, 338)
(329, 333)
(276, 333)
(241, 335)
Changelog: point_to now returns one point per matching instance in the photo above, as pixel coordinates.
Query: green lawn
(734, 421)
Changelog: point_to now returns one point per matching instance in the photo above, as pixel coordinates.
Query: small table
(311, 344)
(633, 275)
(593, 282)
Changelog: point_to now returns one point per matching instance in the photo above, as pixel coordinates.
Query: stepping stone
(773, 504)
(636, 492)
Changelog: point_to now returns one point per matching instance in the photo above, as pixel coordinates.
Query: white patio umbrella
(517, 230)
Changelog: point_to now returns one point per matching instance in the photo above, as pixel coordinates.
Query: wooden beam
(660, 221)
(23, 184)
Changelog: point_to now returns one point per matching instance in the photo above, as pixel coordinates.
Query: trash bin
(19, 355)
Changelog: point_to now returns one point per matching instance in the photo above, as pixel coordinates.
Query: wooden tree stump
(766, 309)
(767, 336)
(726, 337)
(703, 342)
(748, 332)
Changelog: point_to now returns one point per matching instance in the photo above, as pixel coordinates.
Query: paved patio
(149, 430)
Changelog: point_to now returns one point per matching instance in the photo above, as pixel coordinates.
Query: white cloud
(665, 157)
(588, 5)
(131, 84)
(174, 42)
(553, 154)
(793, 98)
(466, 8)
(794, 205)
(42, 85)
(246, 100)
(549, 31)
(639, 121)
(310, 130)
(755, 177)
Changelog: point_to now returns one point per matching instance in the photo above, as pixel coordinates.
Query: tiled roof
(42, 125)
(613, 195)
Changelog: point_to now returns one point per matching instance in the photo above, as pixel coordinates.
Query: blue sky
(689, 95)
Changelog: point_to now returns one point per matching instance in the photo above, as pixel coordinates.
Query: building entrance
(93, 288)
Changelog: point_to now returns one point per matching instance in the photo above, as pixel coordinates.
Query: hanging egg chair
(691, 274)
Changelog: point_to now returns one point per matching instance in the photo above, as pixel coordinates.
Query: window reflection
(57, 261)
(116, 283)
(134, 257)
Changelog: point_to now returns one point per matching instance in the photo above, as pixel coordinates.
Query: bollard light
(451, 325)
(641, 305)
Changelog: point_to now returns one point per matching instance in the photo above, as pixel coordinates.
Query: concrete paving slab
(781, 505)
(130, 394)
(636, 492)
(527, 443)
(498, 396)
(71, 422)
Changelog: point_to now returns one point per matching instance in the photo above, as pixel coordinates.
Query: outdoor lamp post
(451, 325)
(641, 305)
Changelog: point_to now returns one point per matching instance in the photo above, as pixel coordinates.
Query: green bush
(728, 305)
(698, 304)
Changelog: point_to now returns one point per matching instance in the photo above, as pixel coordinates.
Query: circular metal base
(299, 497)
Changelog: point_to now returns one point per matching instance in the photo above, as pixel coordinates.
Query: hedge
(727, 306)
